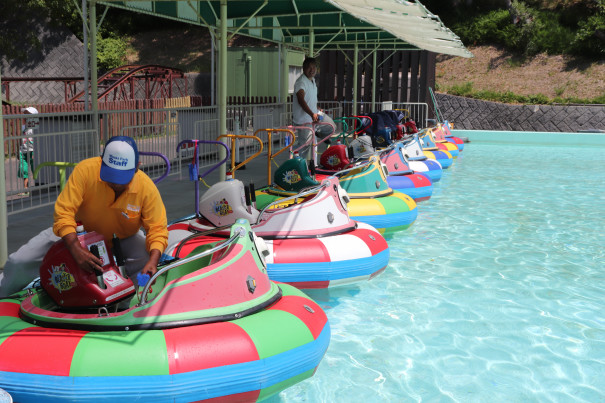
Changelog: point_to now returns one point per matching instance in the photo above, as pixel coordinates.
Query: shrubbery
(578, 30)
(111, 52)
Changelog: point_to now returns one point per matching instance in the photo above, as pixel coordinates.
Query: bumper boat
(372, 201)
(209, 326)
(432, 150)
(415, 150)
(446, 128)
(417, 161)
(439, 136)
(442, 144)
(367, 136)
(400, 177)
(337, 250)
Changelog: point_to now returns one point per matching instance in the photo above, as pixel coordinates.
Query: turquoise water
(495, 294)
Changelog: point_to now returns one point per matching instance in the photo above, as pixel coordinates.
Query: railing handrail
(162, 156)
(233, 138)
(270, 154)
(302, 193)
(207, 172)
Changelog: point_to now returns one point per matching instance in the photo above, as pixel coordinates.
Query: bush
(493, 27)
(528, 30)
(590, 38)
(111, 53)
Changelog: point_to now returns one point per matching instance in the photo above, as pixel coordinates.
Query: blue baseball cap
(120, 160)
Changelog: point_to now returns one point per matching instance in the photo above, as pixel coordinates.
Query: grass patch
(467, 90)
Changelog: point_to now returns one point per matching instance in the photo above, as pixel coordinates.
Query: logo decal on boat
(360, 149)
(61, 279)
(292, 177)
(222, 208)
(333, 160)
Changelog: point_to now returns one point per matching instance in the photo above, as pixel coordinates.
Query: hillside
(493, 69)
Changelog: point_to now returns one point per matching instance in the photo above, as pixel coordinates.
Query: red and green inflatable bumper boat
(337, 250)
(209, 326)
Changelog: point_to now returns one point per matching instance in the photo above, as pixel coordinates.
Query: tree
(17, 39)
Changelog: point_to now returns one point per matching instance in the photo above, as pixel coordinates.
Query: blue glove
(143, 279)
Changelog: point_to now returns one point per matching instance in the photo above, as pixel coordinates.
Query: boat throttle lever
(248, 200)
(94, 249)
(312, 168)
(252, 194)
(119, 255)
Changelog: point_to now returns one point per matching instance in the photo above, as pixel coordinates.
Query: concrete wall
(472, 114)
(61, 55)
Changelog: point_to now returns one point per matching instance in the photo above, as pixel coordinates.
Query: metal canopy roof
(316, 24)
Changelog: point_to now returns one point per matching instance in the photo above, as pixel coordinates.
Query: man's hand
(84, 259)
(151, 267)
(315, 117)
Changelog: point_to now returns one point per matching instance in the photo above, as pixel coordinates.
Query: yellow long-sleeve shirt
(89, 200)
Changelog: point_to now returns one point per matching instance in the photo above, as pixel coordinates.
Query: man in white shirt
(304, 105)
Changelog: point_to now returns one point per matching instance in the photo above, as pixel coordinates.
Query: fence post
(3, 220)
(236, 131)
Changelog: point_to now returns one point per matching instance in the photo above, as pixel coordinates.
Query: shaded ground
(496, 70)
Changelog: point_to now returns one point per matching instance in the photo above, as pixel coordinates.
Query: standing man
(108, 195)
(304, 105)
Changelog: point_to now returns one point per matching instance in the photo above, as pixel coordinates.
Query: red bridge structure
(131, 82)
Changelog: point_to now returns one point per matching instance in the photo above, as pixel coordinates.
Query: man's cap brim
(119, 177)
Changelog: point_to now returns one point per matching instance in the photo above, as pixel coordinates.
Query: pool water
(495, 294)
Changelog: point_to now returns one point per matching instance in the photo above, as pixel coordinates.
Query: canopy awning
(316, 24)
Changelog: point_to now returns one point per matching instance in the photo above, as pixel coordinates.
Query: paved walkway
(177, 194)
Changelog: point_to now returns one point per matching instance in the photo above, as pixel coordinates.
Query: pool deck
(177, 193)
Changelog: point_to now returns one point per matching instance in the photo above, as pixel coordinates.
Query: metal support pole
(92, 22)
(222, 101)
(3, 216)
(355, 68)
(285, 77)
(279, 67)
(212, 71)
(311, 42)
(374, 61)
(86, 64)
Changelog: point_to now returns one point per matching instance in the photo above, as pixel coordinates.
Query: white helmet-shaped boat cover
(225, 202)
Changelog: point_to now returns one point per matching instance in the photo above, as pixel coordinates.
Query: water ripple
(495, 294)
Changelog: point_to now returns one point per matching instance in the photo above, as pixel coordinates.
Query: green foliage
(493, 27)
(590, 38)
(111, 52)
(545, 34)
(15, 23)
(550, 27)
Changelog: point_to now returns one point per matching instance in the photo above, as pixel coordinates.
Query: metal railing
(70, 137)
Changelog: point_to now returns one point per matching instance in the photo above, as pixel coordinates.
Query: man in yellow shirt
(108, 195)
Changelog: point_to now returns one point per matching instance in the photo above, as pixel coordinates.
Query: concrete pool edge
(544, 138)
